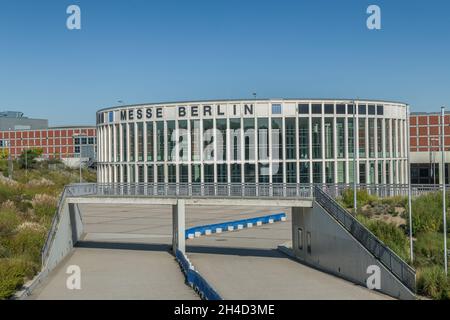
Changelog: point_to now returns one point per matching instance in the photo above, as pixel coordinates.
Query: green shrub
(27, 243)
(362, 198)
(432, 282)
(429, 249)
(13, 273)
(9, 221)
(427, 213)
(390, 234)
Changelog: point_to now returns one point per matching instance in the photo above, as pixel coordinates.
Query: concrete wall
(334, 250)
(68, 232)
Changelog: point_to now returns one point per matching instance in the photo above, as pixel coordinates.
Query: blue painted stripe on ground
(225, 225)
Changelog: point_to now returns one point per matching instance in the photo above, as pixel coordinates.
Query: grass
(27, 205)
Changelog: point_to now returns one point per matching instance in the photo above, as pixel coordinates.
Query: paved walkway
(247, 265)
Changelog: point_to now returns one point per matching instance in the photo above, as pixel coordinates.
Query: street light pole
(444, 205)
(411, 249)
(80, 160)
(355, 204)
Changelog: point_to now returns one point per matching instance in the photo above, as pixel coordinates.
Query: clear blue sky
(148, 51)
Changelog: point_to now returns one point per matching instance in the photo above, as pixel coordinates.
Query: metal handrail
(398, 267)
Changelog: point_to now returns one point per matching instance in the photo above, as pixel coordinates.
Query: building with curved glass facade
(254, 141)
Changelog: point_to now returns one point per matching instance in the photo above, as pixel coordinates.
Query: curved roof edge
(249, 99)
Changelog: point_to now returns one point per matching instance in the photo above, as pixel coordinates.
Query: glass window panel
(317, 172)
(329, 142)
(371, 138)
(149, 141)
(235, 136)
(316, 109)
(277, 172)
(362, 173)
(160, 140)
(362, 137)
(380, 138)
(172, 173)
(150, 174)
(329, 172)
(249, 172)
(196, 142)
(303, 137)
(291, 172)
(329, 109)
(208, 140)
(371, 172)
(132, 143)
(380, 110)
(208, 175)
(371, 110)
(124, 142)
(160, 173)
(221, 126)
(263, 138)
(171, 140)
(341, 172)
(184, 173)
(140, 137)
(196, 173)
(263, 173)
(304, 172)
(362, 109)
(222, 172)
(277, 139)
(340, 109)
(140, 173)
(316, 138)
(236, 173)
(303, 108)
(340, 138)
(249, 138)
(117, 129)
(388, 138)
(291, 143)
(183, 138)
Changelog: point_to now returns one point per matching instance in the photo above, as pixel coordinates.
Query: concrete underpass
(125, 254)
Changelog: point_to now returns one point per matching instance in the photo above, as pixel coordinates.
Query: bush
(427, 213)
(44, 205)
(13, 273)
(429, 249)
(27, 243)
(433, 282)
(9, 221)
(390, 234)
(362, 198)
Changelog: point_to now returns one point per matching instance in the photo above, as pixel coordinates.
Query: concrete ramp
(327, 237)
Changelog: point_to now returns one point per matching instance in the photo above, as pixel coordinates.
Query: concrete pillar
(179, 226)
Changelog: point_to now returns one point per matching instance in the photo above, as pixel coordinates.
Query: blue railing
(195, 280)
(235, 225)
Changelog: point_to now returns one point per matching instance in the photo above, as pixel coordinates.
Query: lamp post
(10, 164)
(444, 205)
(411, 248)
(355, 204)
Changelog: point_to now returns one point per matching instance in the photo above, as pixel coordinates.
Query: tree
(28, 157)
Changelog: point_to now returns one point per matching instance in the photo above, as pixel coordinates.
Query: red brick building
(425, 144)
(57, 142)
